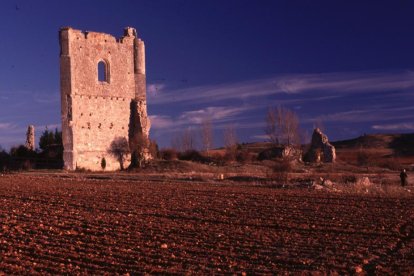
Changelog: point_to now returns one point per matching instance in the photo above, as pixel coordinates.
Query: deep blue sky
(347, 64)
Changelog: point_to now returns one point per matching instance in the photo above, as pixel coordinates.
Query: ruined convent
(103, 99)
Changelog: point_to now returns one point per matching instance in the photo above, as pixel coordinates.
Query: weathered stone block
(320, 145)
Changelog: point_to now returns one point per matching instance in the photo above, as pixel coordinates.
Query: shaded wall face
(95, 113)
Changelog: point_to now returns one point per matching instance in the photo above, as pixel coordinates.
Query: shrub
(281, 169)
(364, 158)
(267, 154)
(193, 155)
(82, 170)
(348, 179)
(392, 164)
(244, 157)
(21, 158)
(168, 154)
(283, 165)
(230, 156)
(153, 149)
(4, 161)
(218, 159)
(103, 163)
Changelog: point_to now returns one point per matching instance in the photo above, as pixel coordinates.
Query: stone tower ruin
(103, 98)
(30, 138)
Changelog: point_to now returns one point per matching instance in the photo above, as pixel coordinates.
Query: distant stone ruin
(103, 96)
(280, 151)
(30, 138)
(320, 150)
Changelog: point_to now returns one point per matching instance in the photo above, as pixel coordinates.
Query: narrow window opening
(103, 74)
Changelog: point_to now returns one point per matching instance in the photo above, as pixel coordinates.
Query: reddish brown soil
(56, 225)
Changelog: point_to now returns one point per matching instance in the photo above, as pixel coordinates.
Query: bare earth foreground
(75, 224)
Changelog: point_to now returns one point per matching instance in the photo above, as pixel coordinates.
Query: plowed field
(72, 225)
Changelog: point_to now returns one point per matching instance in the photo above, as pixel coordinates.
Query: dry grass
(375, 184)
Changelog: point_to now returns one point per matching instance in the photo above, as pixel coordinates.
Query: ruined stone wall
(320, 148)
(96, 108)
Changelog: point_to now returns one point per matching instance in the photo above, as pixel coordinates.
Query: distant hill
(397, 144)
(382, 148)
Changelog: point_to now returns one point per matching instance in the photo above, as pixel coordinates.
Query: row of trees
(187, 140)
(49, 154)
(282, 127)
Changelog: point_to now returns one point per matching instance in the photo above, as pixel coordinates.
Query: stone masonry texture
(320, 146)
(101, 77)
(30, 138)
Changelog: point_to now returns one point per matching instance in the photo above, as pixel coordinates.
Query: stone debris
(327, 183)
(280, 151)
(364, 181)
(316, 186)
(320, 150)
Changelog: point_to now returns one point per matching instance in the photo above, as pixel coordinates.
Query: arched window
(103, 71)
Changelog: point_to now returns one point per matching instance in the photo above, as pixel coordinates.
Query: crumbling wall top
(129, 32)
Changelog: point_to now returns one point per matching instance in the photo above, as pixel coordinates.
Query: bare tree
(119, 148)
(188, 140)
(282, 126)
(230, 136)
(176, 142)
(274, 124)
(207, 135)
(184, 141)
(230, 142)
(290, 127)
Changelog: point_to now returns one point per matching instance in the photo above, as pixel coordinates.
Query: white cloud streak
(217, 114)
(392, 127)
(331, 83)
(7, 126)
(366, 115)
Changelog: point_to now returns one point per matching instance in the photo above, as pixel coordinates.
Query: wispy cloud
(261, 137)
(348, 82)
(154, 89)
(330, 83)
(42, 98)
(214, 113)
(398, 126)
(368, 114)
(7, 126)
(161, 121)
(217, 114)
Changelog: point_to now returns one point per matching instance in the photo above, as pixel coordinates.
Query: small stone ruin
(280, 151)
(30, 138)
(320, 150)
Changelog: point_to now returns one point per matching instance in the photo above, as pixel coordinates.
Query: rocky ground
(73, 224)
